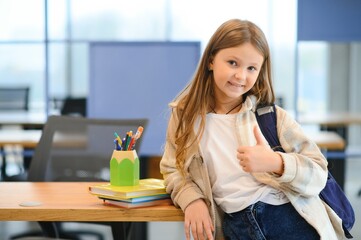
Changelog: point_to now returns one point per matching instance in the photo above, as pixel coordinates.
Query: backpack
(332, 194)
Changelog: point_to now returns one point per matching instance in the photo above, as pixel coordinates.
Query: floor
(162, 230)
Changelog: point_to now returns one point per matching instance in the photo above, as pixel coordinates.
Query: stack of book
(149, 192)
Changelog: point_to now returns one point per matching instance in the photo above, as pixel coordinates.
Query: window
(312, 76)
(27, 50)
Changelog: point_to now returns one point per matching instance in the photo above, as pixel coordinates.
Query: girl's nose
(240, 75)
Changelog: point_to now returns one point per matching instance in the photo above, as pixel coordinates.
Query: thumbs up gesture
(259, 158)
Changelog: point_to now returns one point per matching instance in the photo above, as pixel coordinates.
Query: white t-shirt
(233, 189)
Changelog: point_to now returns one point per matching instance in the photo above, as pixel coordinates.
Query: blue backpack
(332, 194)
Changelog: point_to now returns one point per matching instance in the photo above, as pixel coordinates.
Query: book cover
(166, 201)
(146, 187)
(136, 199)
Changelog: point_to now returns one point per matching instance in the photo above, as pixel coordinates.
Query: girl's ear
(210, 66)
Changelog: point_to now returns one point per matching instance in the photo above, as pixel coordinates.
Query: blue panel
(138, 80)
(329, 20)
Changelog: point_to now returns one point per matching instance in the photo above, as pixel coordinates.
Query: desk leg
(27, 156)
(3, 165)
(337, 167)
(121, 230)
(49, 229)
(129, 230)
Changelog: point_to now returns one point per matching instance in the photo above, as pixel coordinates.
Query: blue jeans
(262, 221)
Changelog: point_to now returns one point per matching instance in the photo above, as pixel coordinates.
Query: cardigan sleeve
(305, 167)
(182, 191)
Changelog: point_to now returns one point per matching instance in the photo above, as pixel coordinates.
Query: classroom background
(46, 46)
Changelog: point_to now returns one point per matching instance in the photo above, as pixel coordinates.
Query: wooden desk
(331, 142)
(28, 139)
(71, 201)
(331, 119)
(334, 122)
(327, 140)
(27, 119)
(25, 138)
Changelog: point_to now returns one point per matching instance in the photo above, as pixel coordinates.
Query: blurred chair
(78, 149)
(74, 106)
(14, 98)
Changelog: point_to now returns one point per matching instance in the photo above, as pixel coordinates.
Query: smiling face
(235, 71)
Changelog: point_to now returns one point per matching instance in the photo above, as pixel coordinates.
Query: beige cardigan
(303, 162)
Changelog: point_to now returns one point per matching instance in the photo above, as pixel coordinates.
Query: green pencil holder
(124, 168)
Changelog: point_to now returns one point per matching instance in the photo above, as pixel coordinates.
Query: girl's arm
(184, 192)
(198, 221)
(305, 167)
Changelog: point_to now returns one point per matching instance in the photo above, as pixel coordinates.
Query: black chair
(14, 98)
(74, 106)
(78, 149)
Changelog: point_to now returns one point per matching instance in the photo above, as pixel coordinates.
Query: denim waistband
(257, 205)
(261, 221)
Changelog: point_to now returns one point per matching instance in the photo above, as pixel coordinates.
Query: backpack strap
(332, 194)
(267, 120)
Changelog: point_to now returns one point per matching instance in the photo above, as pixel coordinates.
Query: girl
(219, 168)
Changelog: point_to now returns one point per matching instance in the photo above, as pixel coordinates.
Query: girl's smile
(236, 85)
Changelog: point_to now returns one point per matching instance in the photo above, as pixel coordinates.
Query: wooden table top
(328, 140)
(330, 118)
(25, 138)
(24, 118)
(71, 201)
(30, 138)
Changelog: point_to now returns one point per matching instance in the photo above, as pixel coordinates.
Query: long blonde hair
(195, 99)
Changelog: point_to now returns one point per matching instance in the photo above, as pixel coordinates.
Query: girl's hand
(198, 220)
(259, 158)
